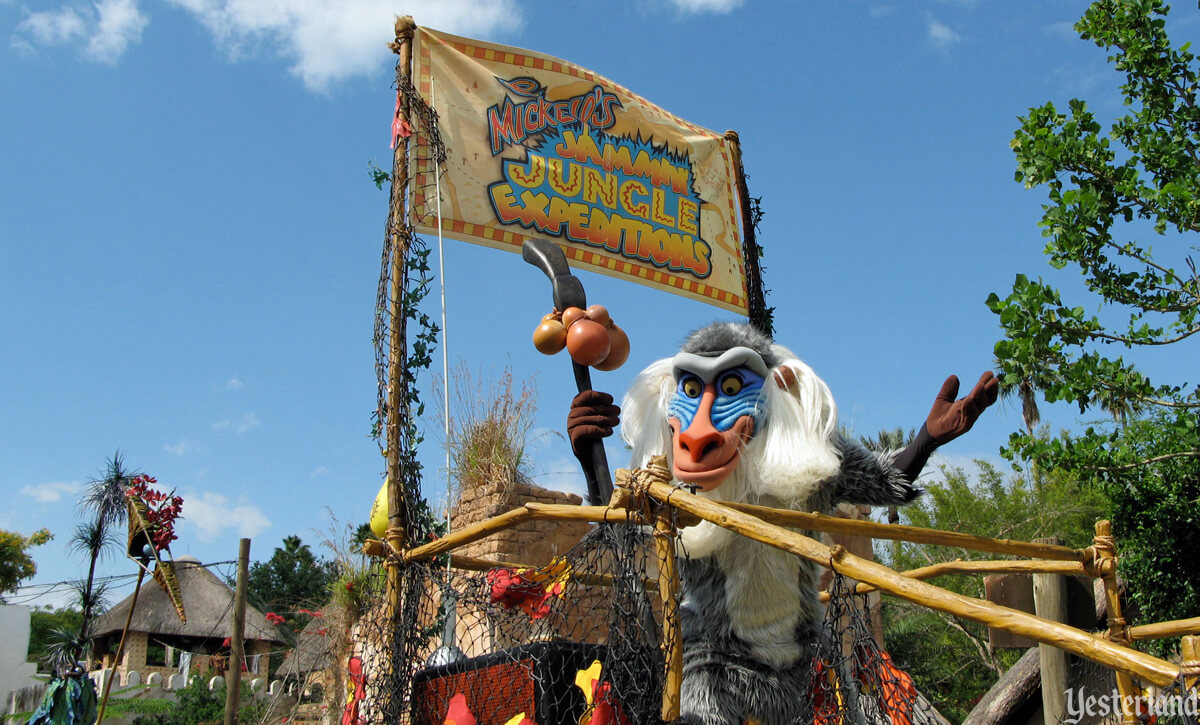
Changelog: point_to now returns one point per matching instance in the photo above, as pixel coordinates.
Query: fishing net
(578, 634)
(578, 640)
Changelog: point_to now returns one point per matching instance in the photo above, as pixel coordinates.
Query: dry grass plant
(491, 424)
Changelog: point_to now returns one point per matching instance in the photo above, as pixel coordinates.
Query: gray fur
(714, 339)
(750, 614)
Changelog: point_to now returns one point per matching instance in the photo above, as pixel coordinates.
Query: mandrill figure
(744, 420)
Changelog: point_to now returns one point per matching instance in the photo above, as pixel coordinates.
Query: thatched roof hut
(158, 639)
(313, 652)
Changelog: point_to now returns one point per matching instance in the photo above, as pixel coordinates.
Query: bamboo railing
(645, 497)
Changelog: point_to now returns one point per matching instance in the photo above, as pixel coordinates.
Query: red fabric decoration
(400, 126)
(458, 713)
(511, 589)
(355, 691)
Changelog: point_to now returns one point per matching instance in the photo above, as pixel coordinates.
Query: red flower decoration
(160, 509)
(511, 589)
(274, 618)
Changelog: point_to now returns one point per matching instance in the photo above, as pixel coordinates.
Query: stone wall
(532, 542)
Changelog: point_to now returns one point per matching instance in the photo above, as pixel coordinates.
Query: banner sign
(538, 147)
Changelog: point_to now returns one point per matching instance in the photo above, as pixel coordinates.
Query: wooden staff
(915, 534)
(1050, 602)
(1081, 643)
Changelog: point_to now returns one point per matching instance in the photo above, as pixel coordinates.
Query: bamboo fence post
(397, 339)
(1189, 649)
(1050, 602)
(1107, 653)
(668, 591)
(1105, 547)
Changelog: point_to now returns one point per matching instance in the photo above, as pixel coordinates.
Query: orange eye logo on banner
(537, 147)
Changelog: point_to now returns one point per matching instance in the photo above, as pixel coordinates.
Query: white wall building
(15, 672)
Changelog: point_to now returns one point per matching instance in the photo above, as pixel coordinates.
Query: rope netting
(579, 640)
(579, 633)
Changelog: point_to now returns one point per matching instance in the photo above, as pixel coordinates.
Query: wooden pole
(756, 297)
(1162, 630)
(121, 645)
(1106, 653)
(915, 534)
(1189, 650)
(982, 567)
(668, 590)
(1050, 602)
(237, 654)
(1105, 565)
(397, 337)
(483, 529)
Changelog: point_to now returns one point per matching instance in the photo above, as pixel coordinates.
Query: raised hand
(950, 418)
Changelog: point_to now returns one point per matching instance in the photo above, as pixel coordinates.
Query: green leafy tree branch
(1143, 175)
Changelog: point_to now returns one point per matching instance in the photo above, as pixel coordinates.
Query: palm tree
(1025, 389)
(889, 440)
(103, 503)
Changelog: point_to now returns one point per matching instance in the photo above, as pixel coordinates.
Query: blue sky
(190, 241)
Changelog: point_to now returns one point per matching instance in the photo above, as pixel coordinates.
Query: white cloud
(327, 41)
(878, 12)
(50, 492)
(54, 27)
(211, 515)
(105, 30)
(942, 35)
(320, 471)
(247, 422)
(234, 384)
(182, 448)
(707, 6)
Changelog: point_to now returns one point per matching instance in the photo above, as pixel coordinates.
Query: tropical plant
(104, 509)
(1105, 190)
(949, 659)
(46, 626)
(890, 440)
(16, 565)
(1124, 212)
